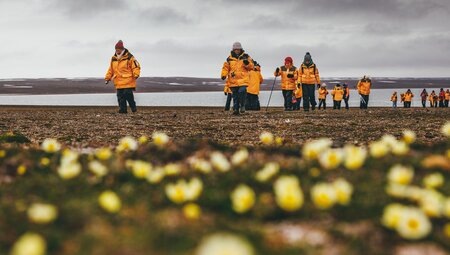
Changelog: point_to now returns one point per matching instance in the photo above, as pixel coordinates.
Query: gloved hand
(223, 78)
(299, 85)
(136, 77)
(232, 74)
(277, 70)
(246, 62)
(106, 82)
(226, 94)
(290, 76)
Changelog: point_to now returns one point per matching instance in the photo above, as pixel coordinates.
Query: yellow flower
(389, 140)
(243, 199)
(42, 213)
(30, 244)
(44, 161)
(143, 139)
(156, 175)
(69, 170)
(224, 244)
(288, 193)
(103, 154)
(354, 157)
(313, 149)
(172, 169)
(51, 145)
(160, 139)
(323, 195)
(183, 191)
(240, 157)
(446, 129)
(200, 165)
(97, 168)
(270, 169)
(220, 162)
(21, 170)
(331, 158)
(110, 202)
(400, 148)
(433, 181)
(192, 211)
(400, 174)
(432, 203)
(413, 224)
(141, 169)
(127, 143)
(391, 215)
(2, 153)
(378, 149)
(344, 191)
(409, 136)
(279, 141)
(266, 138)
(69, 157)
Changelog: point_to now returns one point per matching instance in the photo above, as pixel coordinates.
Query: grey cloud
(83, 8)
(163, 15)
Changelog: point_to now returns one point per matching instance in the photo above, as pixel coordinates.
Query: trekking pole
(362, 100)
(271, 91)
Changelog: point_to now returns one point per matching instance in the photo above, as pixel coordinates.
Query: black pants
(364, 102)
(424, 103)
(337, 105)
(446, 103)
(346, 102)
(228, 102)
(407, 104)
(239, 96)
(287, 95)
(441, 104)
(252, 102)
(297, 104)
(124, 96)
(323, 102)
(309, 96)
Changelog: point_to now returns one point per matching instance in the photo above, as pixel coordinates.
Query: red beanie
(288, 60)
(119, 45)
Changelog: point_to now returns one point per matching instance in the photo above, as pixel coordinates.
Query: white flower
(140, 169)
(51, 145)
(97, 168)
(42, 213)
(30, 244)
(127, 143)
(354, 157)
(323, 195)
(172, 169)
(288, 193)
(266, 138)
(200, 165)
(400, 174)
(183, 191)
(239, 157)
(391, 215)
(379, 149)
(433, 181)
(409, 136)
(69, 170)
(224, 244)
(446, 129)
(156, 175)
(270, 169)
(242, 198)
(344, 191)
(331, 158)
(110, 202)
(413, 224)
(400, 148)
(220, 162)
(160, 139)
(313, 149)
(432, 203)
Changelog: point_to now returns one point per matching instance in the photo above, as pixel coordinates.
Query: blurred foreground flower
(42, 213)
(243, 198)
(192, 211)
(97, 168)
(69, 166)
(224, 244)
(354, 157)
(266, 138)
(51, 145)
(160, 139)
(409, 222)
(220, 162)
(400, 174)
(344, 191)
(446, 129)
(433, 181)
(312, 150)
(269, 170)
(127, 143)
(323, 196)
(183, 191)
(239, 157)
(288, 193)
(30, 244)
(409, 136)
(110, 202)
(331, 158)
(103, 154)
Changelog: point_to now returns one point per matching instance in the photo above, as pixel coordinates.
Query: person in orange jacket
(288, 73)
(402, 99)
(364, 86)
(229, 94)
(394, 99)
(124, 70)
(432, 99)
(252, 103)
(408, 98)
(237, 69)
(447, 97)
(338, 95)
(346, 95)
(441, 98)
(308, 78)
(298, 98)
(323, 92)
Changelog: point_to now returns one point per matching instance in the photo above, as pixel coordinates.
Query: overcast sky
(76, 38)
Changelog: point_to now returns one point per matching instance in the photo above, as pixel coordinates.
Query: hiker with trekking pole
(237, 70)
(308, 79)
(124, 70)
(363, 87)
(288, 73)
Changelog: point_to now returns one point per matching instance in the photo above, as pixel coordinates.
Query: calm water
(378, 98)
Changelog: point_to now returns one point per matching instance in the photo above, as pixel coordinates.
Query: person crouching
(124, 70)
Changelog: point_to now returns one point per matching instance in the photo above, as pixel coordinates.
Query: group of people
(436, 100)
(242, 76)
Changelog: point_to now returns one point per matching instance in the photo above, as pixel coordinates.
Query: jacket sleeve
(135, 67)
(251, 65)
(299, 75)
(317, 76)
(358, 86)
(109, 73)
(260, 78)
(225, 69)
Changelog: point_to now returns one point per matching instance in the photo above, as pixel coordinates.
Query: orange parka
(286, 82)
(255, 81)
(235, 69)
(394, 98)
(338, 94)
(323, 92)
(447, 95)
(408, 96)
(308, 75)
(299, 92)
(123, 71)
(364, 87)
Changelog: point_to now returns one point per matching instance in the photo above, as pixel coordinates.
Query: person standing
(394, 99)
(124, 70)
(408, 98)
(447, 97)
(346, 95)
(363, 87)
(323, 92)
(441, 98)
(237, 69)
(288, 74)
(338, 95)
(253, 89)
(228, 94)
(308, 79)
(298, 98)
(432, 98)
(424, 96)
